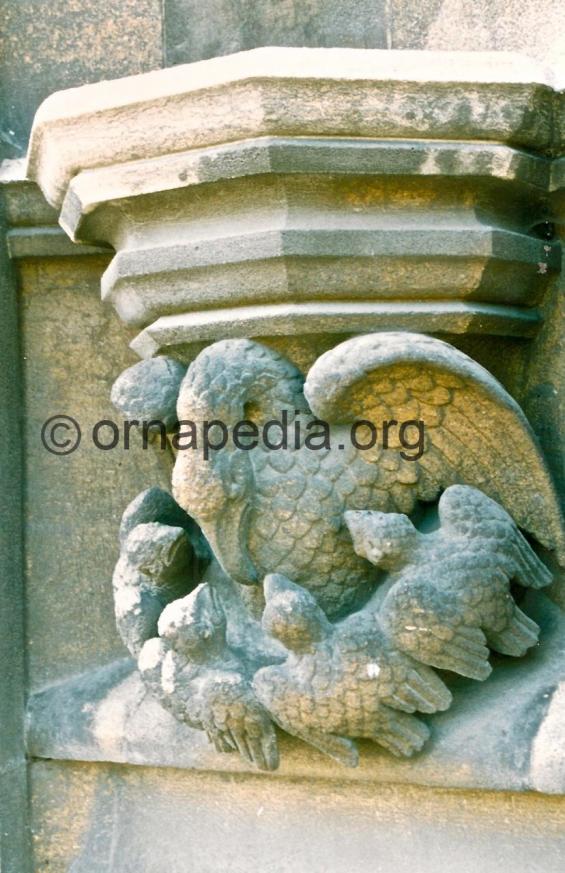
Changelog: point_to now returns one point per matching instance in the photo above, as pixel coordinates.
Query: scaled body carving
(325, 609)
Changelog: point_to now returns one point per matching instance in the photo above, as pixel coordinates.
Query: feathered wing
(384, 673)
(434, 627)
(220, 702)
(462, 508)
(410, 686)
(234, 719)
(474, 432)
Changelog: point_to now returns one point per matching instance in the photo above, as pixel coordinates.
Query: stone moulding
(33, 228)
(183, 334)
(494, 96)
(326, 179)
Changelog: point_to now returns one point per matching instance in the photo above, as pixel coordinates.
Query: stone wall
(91, 817)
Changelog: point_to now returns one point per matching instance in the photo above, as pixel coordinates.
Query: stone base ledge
(506, 734)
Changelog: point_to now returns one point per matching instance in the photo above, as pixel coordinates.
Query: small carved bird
(155, 504)
(448, 592)
(196, 676)
(152, 571)
(342, 680)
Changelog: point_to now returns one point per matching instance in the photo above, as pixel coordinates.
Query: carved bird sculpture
(151, 572)
(204, 683)
(342, 680)
(448, 592)
(162, 557)
(282, 511)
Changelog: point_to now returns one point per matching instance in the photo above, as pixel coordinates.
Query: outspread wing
(474, 432)
(435, 627)
(490, 529)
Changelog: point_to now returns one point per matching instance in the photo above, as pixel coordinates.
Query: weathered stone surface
(72, 350)
(322, 184)
(449, 596)
(23, 201)
(532, 27)
(489, 739)
(183, 335)
(148, 391)
(50, 242)
(548, 750)
(302, 157)
(374, 260)
(496, 96)
(356, 648)
(347, 382)
(316, 219)
(14, 834)
(108, 818)
(345, 681)
(529, 26)
(46, 45)
(33, 230)
(151, 573)
(146, 819)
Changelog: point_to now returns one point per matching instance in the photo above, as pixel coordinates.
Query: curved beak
(228, 540)
(356, 522)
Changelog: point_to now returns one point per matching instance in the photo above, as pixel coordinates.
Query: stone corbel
(310, 191)
(264, 208)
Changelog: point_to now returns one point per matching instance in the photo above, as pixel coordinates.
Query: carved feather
(475, 432)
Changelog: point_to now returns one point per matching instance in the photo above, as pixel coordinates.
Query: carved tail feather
(420, 691)
(518, 636)
(403, 734)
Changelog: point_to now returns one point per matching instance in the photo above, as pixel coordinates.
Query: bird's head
(386, 539)
(195, 625)
(291, 614)
(156, 548)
